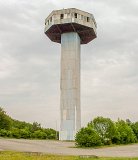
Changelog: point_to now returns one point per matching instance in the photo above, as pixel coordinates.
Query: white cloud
(30, 62)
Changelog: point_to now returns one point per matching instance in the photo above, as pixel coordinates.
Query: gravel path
(66, 148)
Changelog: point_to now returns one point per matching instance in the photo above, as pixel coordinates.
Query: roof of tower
(70, 20)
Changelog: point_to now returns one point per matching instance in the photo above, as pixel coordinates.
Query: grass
(6, 155)
(104, 146)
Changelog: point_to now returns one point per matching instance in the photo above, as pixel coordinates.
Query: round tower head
(70, 20)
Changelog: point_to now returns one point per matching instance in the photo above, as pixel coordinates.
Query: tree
(5, 133)
(16, 133)
(105, 127)
(36, 126)
(128, 122)
(17, 129)
(25, 133)
(125, 133)
(51, 133)
(134, 127)
(5, 120)
(88, 137)
(39, 134)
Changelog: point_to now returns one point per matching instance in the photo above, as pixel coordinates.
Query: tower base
(67, 135)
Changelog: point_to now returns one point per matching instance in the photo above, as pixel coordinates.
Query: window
(75, 15)
(81, 17)
(88, 19)
(61, 16)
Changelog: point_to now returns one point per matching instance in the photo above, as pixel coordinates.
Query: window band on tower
(62, 16)
(88, 19)
(75, 15)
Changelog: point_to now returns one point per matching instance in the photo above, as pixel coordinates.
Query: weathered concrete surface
(70, 86)
(66, 148)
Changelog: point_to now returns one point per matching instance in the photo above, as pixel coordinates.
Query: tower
(70, 27)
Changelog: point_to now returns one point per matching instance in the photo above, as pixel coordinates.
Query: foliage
(5, 120)
(39, 134)
(36, 126)
(105, 128)
(16, 129)
(134, 127)
(88, 137)
(125, 133)
(104, 131)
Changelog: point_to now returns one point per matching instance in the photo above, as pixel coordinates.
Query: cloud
(30, 62)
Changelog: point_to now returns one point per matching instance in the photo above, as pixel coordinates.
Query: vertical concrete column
(70, 86)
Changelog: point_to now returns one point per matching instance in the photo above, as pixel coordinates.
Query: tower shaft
(70, 86)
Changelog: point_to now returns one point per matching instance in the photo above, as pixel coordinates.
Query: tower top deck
(70, 20)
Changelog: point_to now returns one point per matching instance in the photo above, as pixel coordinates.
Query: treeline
(103, 131)
(16, 129)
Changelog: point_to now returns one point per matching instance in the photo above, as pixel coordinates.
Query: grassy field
(38, 156)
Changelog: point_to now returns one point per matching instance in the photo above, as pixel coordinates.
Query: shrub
(5, 120)
(5, 133)
(134, 127)
(87, 137)
(105, 127)
(15, 133)
(39, 135)
(125, 133)
(24, 133)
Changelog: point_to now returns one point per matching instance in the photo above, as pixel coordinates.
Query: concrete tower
(70, 27)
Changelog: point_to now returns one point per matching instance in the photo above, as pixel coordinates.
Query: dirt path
(66, 148)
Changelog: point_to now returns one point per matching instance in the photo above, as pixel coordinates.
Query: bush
(105, 127)
(103, 131)
(125, 133)
(51, 133)
(25, 133)
(15, 133)
(39, 135)
(88, 137)
(134, 127)
(5, 120)
(5, 133)
(17, 129)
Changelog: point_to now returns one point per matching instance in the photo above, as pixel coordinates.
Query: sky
(30, 62)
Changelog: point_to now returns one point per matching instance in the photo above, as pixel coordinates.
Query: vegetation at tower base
(103, 131)
(88, 137)
(16, 129)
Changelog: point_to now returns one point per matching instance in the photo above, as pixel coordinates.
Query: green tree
(105, 127)
(134, 127)
(125, 133)
(36, 126)
(51, 133)
(5, 133)
(88, 137)
(25, 133)
(16, 133)
(5, 120)
(17, 129)
(39, 134)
